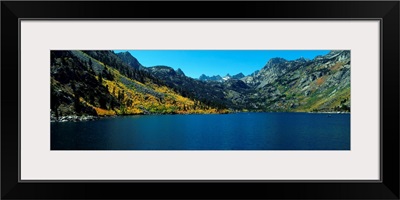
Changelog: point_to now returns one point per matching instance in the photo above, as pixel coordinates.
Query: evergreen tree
(100, 78)
(77, 103)
(55, 102)
(113, 91)
(103, 102)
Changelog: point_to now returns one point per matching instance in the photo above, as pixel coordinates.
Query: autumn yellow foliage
(136, 102)
(103, 112)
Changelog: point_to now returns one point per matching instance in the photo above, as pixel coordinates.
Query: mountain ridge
(100, 83)
(219, 78)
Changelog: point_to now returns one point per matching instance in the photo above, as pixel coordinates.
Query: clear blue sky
(217, 62)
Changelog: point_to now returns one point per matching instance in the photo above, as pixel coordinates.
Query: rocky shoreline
(76, 118)
(73, 118)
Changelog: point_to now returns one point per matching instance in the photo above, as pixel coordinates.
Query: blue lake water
(241, 131)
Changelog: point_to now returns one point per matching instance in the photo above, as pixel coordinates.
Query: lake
(239, 131)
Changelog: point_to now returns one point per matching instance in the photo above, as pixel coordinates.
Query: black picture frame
(386, 11)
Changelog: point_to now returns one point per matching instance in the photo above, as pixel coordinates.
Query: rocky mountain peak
(274, 61)
(218, 78)
(129, 59)
(180, 72)
(204, 77)
(126, 53)
(227, 77)
(238, 76)
(163, 69)
(302, 59)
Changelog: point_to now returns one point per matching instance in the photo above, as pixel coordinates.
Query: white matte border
(40, 36)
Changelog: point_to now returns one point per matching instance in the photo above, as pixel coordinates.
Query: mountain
(321, 84)
(226, 77)
(98, 83)
(210, 93)
(238, 76)
(180, 72)
(130, 60)
(217, 78)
